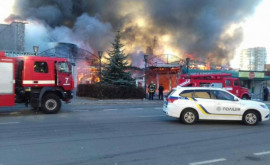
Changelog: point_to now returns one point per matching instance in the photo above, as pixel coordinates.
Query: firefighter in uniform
(151, 90)
(160, 92)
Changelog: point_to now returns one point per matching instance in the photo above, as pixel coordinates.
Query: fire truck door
(7, 96)
(64, 77)
(237, 88)
(228, 85)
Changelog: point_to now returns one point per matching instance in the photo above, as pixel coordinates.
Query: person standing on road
(151, 90)
(265, 93)
(160, 92)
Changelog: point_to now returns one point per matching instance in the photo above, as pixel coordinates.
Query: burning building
(208, 32)
(164, 72)
(12, 36)
(165, 75)
(86, 67)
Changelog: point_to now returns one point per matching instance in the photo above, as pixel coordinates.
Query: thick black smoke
(197, 26)
(53, 12)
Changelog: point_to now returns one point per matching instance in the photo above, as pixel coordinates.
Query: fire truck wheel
(245, 97)
(51, 103)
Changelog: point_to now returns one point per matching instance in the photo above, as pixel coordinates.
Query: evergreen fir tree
(115, 72)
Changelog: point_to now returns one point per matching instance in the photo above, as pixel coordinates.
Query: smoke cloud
(87, 33)
(203, 29)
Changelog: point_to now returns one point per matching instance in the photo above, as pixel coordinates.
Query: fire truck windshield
(63, 67)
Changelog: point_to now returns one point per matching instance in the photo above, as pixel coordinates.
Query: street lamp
(99, 86)
(145, 65)
(35, 48)
(187, 63)
(99, 57)
(167, 58)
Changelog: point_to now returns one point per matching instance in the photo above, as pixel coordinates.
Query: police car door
(203, 103)
(226, 106)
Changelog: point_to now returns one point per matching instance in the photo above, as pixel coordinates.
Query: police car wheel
(51, 103)
(251, 118)
(189, 116)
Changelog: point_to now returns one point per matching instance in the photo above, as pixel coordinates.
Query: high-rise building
(12, 36)
(253, 59)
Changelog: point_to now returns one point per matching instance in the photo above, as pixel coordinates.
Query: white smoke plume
(88, 33)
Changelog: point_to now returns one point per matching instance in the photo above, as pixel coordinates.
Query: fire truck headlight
(27, 89)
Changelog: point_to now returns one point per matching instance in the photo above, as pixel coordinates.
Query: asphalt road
(126, 134)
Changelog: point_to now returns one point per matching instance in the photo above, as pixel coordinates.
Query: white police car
(193, 103)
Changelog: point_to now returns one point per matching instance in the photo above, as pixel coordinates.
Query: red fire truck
(223, 80)
(41, 82)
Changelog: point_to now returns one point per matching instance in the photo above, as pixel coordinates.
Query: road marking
(110, 109)
(136, 108)
(143, 108)
(152, 116)
(82, 110)
(9, 123)
(208, 161)
(262, 153)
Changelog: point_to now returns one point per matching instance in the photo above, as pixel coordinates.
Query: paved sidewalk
(94, 101)
(86, 101)
(267, 103)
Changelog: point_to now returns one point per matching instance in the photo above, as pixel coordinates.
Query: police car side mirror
(236, 99)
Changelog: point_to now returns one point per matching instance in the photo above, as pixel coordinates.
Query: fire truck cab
(223, 80)
(41, 82)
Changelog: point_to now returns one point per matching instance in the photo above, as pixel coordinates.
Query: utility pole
(145, 77)
(187, 63)
(99, 57)
(35, 48)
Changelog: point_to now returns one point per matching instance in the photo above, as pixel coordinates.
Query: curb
(91, 101)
